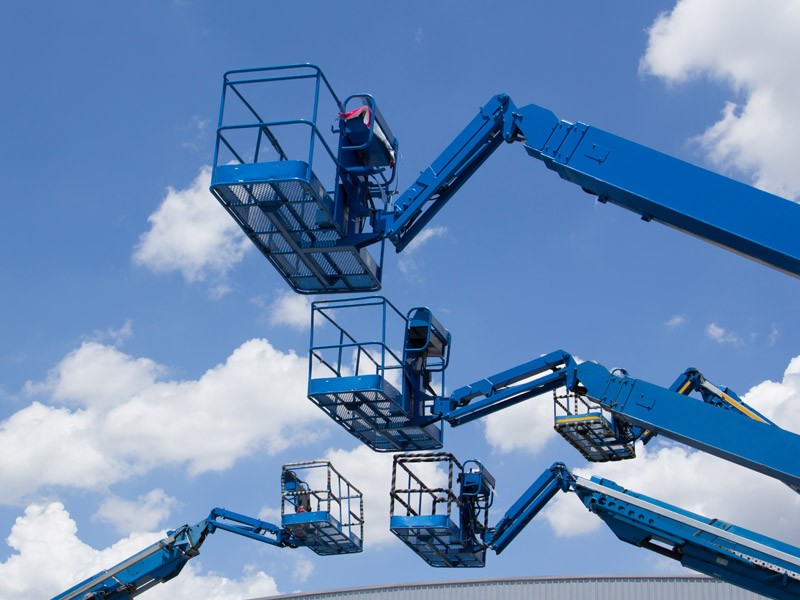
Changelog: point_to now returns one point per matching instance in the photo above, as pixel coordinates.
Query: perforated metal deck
(591, 434)
(321, 532)
(370, 408)
(286, 212)
(436, 539)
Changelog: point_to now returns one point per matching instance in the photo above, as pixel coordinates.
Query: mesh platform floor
(288, 215)
(369, 408)
(321, 532)
(592, 436)
(435, 538)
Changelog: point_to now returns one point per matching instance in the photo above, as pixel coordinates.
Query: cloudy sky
(153, 366)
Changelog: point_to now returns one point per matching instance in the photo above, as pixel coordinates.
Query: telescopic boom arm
(166, 558)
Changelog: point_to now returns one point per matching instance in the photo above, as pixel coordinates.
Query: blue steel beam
(719, 549)
(733, 432)
(445, 176)
(661, 188)
(754, 444)
(166, 558)
(509, 387)
(528, 506)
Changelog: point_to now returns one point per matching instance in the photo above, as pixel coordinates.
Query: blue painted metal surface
(737, 555)
(359, 379)
(615, 410)
(166, 558)
(658, 187)
(388, 402)
(728, 434)
(533, 500)
(437, 540)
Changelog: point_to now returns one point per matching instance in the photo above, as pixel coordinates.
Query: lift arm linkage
(425, 523)
(658, 187)
(734, 554)
(722, 424)
(327, 519)
(166, 558)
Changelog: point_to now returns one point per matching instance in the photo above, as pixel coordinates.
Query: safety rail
(320, 507)
(418, 498)
(359, 378)
(361, 342)
(430, 520)
(302, 193)
(239, 114)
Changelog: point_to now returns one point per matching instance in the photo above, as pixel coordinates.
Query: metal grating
(436, 539)
(637, 587)
(321, 532)
(291, 222)
(370, 410)
(592, 436)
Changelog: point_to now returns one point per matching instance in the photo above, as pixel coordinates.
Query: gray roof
(636, 587)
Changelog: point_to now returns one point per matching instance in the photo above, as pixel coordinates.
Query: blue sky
(152, 366)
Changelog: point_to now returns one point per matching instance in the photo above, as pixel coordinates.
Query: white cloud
(702, 483)
(49, 558)
(751, 49)
(146, 513)
(527, 426)
(774, 335)
(292, 310)
(74, 381)
(303, 568)
(116, 336)
(779, 400)
(136, 420)
(406, 261)
(722, 335)
(675, 321)
(197, 129)
(270, 514)
(191, 233)
(42, 446)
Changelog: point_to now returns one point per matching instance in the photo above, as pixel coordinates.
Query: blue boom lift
(313, 203)
(448, 526)
(320, 510)
(394, 401)
(313, 200)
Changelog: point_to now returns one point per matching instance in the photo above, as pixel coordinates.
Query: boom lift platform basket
(268, 174)
(322, 508)
(360, 378)
(426, 523)
(589, 430)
